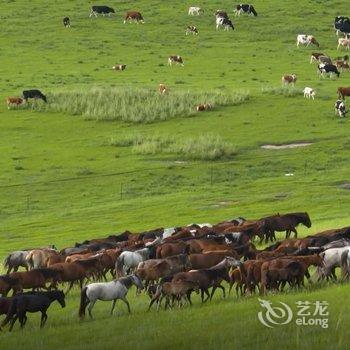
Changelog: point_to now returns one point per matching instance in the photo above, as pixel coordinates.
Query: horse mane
(47, 272)
(126, 281)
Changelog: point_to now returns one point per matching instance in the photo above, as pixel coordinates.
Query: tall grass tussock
(205, 147)
(282, 91)
(135, 105)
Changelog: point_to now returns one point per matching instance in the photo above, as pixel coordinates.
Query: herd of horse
(170, 264)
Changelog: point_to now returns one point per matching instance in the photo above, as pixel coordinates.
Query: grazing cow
(343, 42)
(133, 16)
(309, 92)
(175, 59)
(102, 10)
(343, 91)
(289, 79)
(342, 24)
(245, 8)
(33, 94)
(191, 30)
(340, 64)
(119, 67)
(315, 56)
(225, 22)
(325, 60)
(162, 89)
(340, 109)
(343, 58)
(328, 69)
(194, 10)
(221, 13)
(203, 107)
(306, 40)
(16, 101)
(66, 22)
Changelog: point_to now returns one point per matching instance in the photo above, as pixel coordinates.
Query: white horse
(331, 260)
(107, 291)
(128, 261)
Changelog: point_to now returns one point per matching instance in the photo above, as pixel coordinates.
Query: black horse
(31, 302)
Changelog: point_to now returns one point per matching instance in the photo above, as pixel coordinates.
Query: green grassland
(65, 178)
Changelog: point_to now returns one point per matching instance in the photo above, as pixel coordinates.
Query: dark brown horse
(7, 283)
(287, 222)
(5, 305)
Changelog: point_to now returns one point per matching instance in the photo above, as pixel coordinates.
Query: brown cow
(343, 92)
(191, 30)
(162, 89)
(119, 67)
(175, 59)
(134, 16)
(16, 101)
(315, 55)
(203, 107)
(342, 65)
(344, 42)
(289, 79)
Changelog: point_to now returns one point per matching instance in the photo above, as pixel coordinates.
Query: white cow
(306, 40)
(309, 92)
(194, 10)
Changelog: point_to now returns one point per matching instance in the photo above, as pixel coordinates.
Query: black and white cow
(191, 30)
(66, 22)
(224, 22)
(342, 25)
(328, 69)
(245, 8)
(101, 10)
(33, 94)
(339, 108)
(175, 59)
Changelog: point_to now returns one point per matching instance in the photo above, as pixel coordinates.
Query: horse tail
(344, 262)
(83, 302)
(29, 259)
(119, 265)
(187, 249)
(7, 261)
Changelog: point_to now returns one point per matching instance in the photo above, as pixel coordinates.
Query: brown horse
(280, 223)
(35, 279)
(209, 259)
(7, 283)
(169, 249)
(70, 272)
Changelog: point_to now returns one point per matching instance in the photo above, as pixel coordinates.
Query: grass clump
(135, 105)
(282, 91)
(205, 147)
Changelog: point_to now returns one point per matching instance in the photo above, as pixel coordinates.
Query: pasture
(67, 176)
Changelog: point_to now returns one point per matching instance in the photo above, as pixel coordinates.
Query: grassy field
(67, 177)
